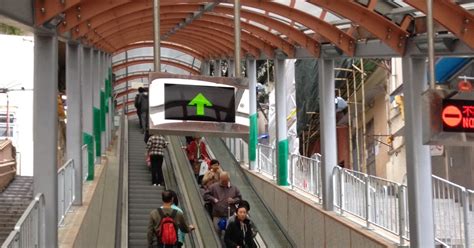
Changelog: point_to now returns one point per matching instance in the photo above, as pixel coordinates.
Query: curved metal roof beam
(292, 33)
(275, 40)
(249, 42)
(144, 16)
(341, 39)
(387, 31)
(179, 47)
(95, 37)
(131, 77)
(212, 20)
(255, 41)
(202, 48)
(224, 47)
(113, 9)
(150, 61)
(184, 49)
(199, 41)
(452, 16)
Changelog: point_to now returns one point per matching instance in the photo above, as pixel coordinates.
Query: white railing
(238, 148)
(305, 174)
(453, 211)
(66, 192)
(378, 201)
(29, 230)
(266, 160)
(85, 162)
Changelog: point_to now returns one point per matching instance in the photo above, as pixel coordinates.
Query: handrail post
(311, 176)
(465, 207)
(341, 190)
(274, 163)
(259, 164)
(292, 164)
(401, 214)
(367, 201)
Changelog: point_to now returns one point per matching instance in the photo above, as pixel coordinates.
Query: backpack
(137, 102)
(166, 232)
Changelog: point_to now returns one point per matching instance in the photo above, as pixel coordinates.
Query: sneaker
(155, 184)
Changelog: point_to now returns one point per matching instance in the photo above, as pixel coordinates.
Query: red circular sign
(452, 116)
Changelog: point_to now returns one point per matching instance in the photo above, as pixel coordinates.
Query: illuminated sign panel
(199, 103)
(458, 115)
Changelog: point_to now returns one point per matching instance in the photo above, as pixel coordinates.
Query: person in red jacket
(197, 152)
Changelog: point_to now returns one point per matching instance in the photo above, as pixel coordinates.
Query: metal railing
(266, 160)
(85, 162)
(29, 231)
(238, 148)
(66, 192)
(453, 212)
(306, 174)
(377, 201)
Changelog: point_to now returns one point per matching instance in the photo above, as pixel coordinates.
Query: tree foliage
(9, 30)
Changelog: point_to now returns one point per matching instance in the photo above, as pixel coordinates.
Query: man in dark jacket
(222, 195)
(138, 104)
(239, 230)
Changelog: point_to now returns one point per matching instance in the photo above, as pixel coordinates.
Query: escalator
(144, 197)
(269, 229)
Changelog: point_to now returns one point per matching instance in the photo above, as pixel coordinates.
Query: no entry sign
(458, 115)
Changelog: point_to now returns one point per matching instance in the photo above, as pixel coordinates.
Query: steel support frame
(218, 68)
(253, 116)
(328, 130)
(281, 126)
(103, 137)
(96, 95)
(87, 88)
(230, 68)
(74, 115)
(420, 195)
(45, 123)
(237, 41)
(156, 35)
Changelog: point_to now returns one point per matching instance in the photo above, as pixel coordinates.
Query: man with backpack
(141, 105)
(165, 222)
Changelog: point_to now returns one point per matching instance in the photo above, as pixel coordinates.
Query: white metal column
(218, 69)
(420, 195)
(282, 132)
(327, 109)
(231, 68)
(253, 117)
(87, 102)
(74, 115)
(45, 123)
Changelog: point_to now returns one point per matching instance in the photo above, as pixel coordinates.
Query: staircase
(13, 202)
(143, 197)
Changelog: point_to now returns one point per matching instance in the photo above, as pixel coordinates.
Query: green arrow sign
(200, 101)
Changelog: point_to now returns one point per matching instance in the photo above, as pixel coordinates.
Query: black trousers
(139, 114)
(156, 169)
